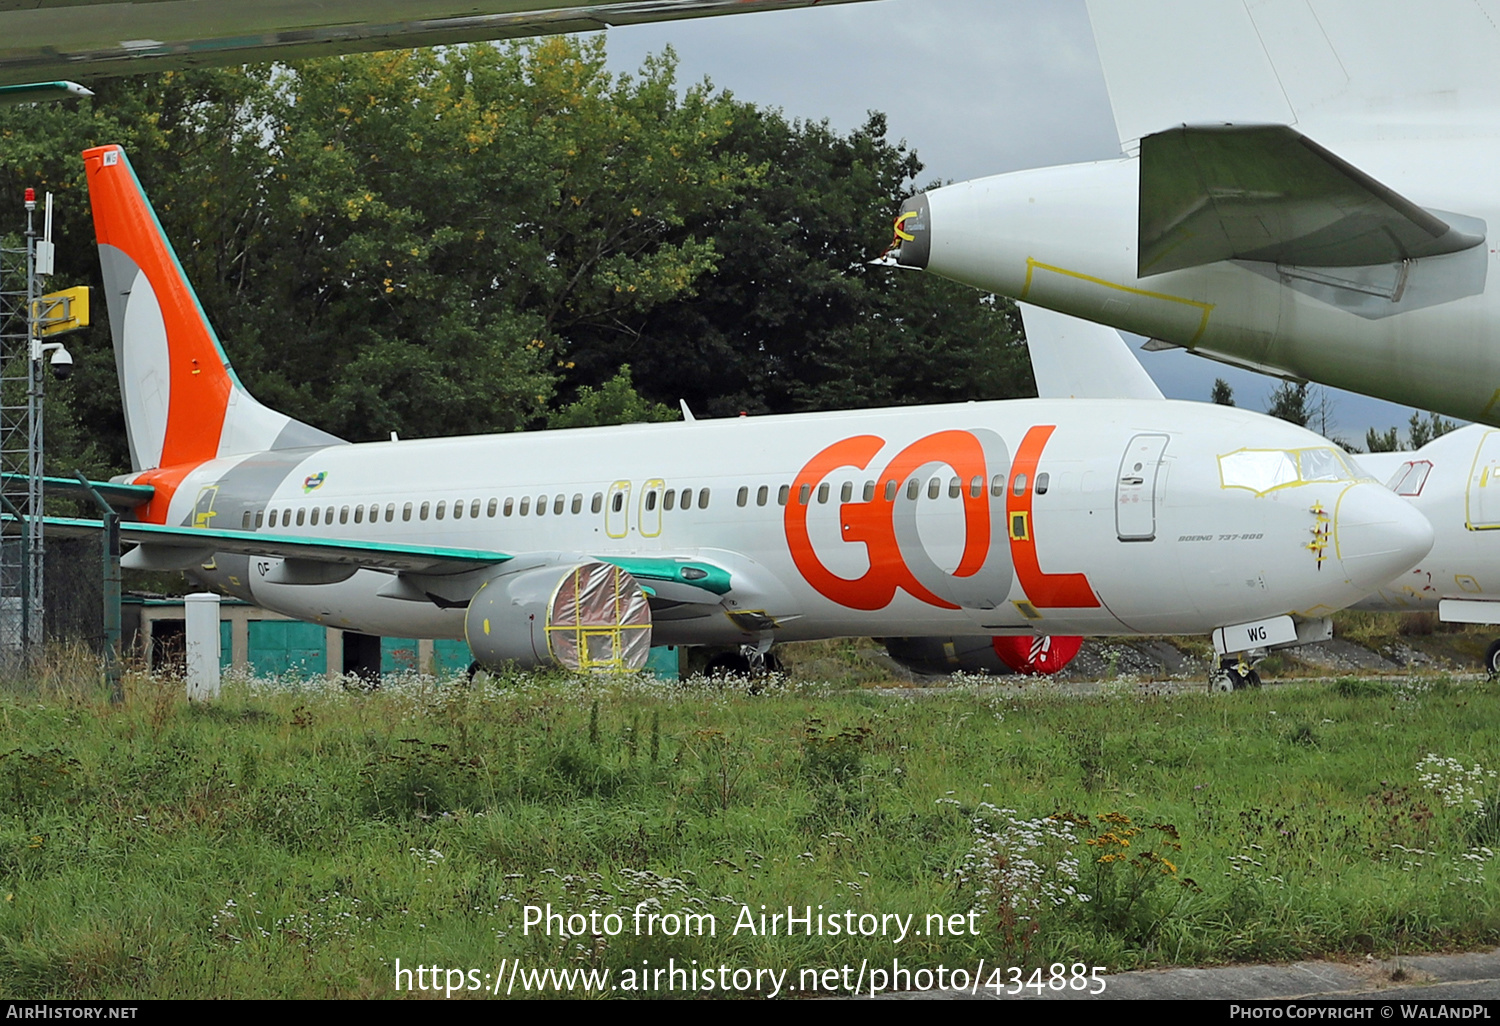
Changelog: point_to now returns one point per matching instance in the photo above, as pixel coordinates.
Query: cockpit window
(1263, 470)
(1323, 465)
(1410, 477)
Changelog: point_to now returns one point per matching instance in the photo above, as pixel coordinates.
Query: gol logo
(887, 525)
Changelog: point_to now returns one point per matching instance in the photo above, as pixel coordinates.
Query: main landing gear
(749, 662)
(1234, 673)
(1492, 659)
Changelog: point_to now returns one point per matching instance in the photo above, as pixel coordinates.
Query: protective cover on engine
(599, 619)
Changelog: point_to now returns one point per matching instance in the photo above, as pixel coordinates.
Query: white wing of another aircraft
(1306, 191)
(1336, 69)
(42, 39)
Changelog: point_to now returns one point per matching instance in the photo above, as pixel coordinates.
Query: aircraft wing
(1330, 67)
(1078, 359)
(1267, 192)
(41, 39)
(161, 547)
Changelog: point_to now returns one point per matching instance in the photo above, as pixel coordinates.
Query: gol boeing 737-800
(583, 547)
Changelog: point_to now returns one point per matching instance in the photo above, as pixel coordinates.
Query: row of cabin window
(913, 490)
(318, 514)
(670, 500)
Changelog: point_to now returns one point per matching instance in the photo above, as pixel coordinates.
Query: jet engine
(585, 616)
(1000, 655)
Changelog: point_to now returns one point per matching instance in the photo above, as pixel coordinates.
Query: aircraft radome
(582, 547)
(1305, 190)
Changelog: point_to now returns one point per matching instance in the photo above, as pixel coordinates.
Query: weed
(1354, 687)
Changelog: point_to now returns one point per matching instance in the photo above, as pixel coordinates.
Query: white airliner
(1454, 481)
(582, 547)
(1306, 190)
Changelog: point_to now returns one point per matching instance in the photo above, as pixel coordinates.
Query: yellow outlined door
(648, 520)
(1483, 498)
(617, 510)
(204, 513)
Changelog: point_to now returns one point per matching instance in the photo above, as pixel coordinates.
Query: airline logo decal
(888, 529)
(313, 482)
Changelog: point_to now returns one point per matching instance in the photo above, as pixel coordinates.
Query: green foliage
(1421, 431)
(614, 402)
(286, 839)
(1355, 687)
(479, 238)
(1375, 441)
(1288, 401)
(795, 317)
(1222, 394)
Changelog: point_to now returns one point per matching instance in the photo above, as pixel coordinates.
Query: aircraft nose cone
(1378, 535)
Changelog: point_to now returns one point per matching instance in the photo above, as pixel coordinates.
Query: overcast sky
(976, 87)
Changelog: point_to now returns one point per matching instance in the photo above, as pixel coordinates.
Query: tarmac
(1466, 977)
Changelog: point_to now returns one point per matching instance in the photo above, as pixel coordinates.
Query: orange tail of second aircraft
(183, 403)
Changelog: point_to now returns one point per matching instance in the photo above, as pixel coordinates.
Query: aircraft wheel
(1492, 659)
(1252, 679)
(728, 665)
(1221, 681)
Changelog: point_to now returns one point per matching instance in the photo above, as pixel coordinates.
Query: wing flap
(1269, 193)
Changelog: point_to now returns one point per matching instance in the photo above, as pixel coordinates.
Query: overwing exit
(582, 547)
(1297, 195)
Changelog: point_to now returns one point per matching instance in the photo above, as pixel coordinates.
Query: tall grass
(295, 838)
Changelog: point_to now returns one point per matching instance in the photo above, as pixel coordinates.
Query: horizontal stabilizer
(1267, 192)
(120, 496)
(1077, 359)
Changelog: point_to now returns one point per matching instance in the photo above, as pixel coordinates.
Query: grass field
(297, 839)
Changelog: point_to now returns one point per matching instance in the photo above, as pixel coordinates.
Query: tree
(795, 318)
(1378, 442)
(1288, 401)
(616, 402)
(1222, 393)
(1420, 431)
(442, 242)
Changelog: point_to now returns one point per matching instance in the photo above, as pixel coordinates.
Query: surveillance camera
(62, 364)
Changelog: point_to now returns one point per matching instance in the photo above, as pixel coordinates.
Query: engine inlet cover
(586, 616)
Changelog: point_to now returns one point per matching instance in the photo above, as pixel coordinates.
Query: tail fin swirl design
(183, 403)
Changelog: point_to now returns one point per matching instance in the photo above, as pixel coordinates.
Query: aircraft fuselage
(1023, 517)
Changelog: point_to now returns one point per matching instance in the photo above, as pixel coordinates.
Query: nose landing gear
(1235, 673)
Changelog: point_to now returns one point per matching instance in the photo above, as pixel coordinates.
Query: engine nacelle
(585, 616)
(999, 655)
